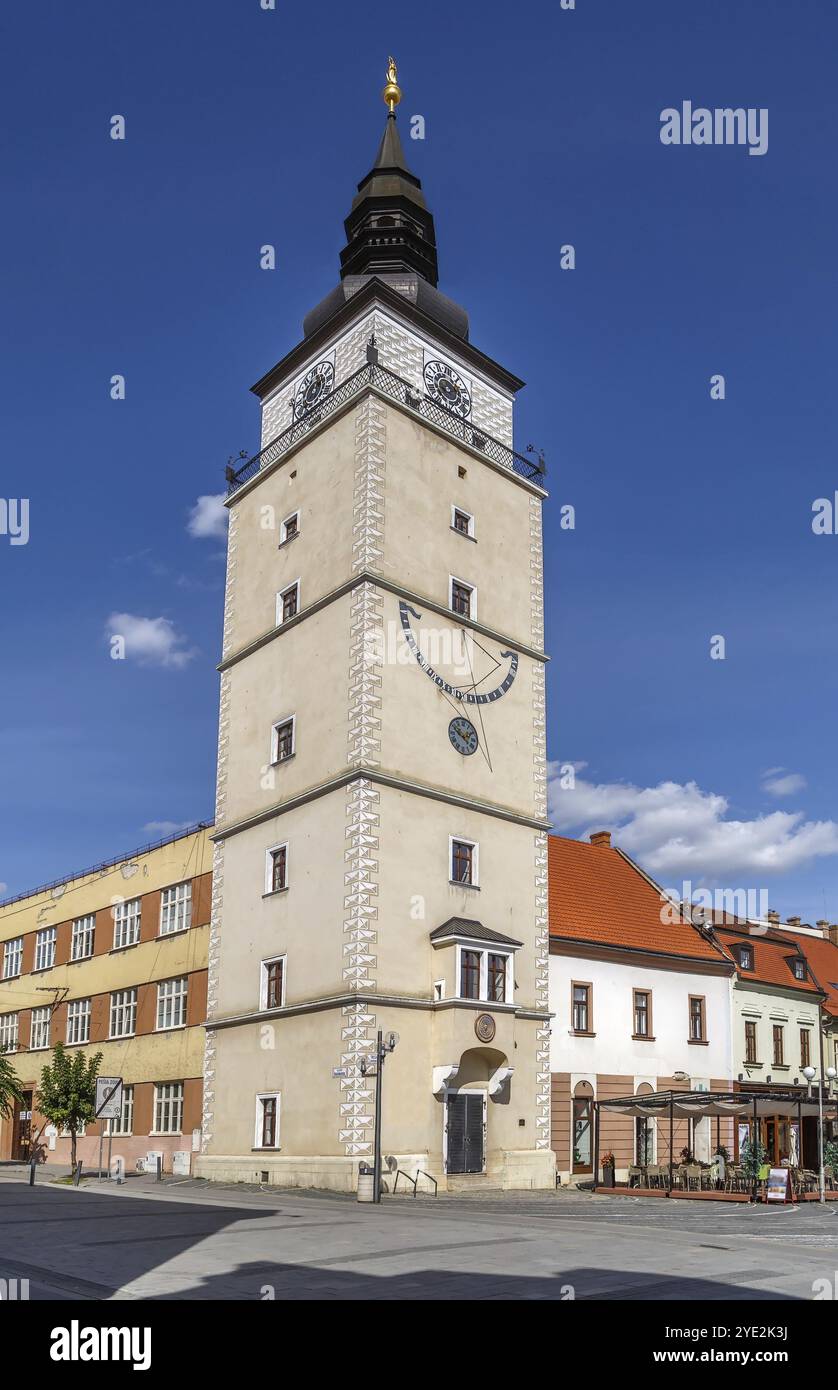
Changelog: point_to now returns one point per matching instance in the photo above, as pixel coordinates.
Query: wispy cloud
(678, 830)
(208, 518)
(166, 827)
(777, 781)
(150, 641)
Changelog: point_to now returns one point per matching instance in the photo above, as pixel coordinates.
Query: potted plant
(608, 1166)
(752, 1156)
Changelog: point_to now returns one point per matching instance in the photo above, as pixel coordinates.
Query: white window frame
(127, 913)
(263, 980)
(119, 1007)
(475, 861)
(171, 997)
(161, 1102)
(472, 606)
(40, 1026)
(12, 957)
(257, 1130)
(124, 1122)
(45, 938)
(270, 891)
(182, 904)
(295, 584)
(9, 1032)
(78, 1022)
(82, 932)
(484, 950)
(454, 527)
(283, 532)
(291, 719)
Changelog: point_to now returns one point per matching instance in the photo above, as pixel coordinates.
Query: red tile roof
(822, 956)
(772, 954)
(596, 894)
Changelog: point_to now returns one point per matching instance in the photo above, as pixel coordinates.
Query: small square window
(461, 521)
(289, 528)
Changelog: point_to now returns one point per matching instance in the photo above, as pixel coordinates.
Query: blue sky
(693, 516)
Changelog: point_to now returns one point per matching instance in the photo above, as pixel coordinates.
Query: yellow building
(113, 960)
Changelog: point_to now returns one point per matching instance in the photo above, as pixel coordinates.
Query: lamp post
(377, 1068)
(810, 1074)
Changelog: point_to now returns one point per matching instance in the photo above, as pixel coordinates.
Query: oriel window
(470, 975)
(497, 979)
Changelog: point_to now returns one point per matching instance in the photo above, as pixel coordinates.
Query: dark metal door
(465, 1133)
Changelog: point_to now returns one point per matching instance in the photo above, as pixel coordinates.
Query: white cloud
(679, 831)
(150, 641)
(165, 827)
(208, 518)
(778, 782)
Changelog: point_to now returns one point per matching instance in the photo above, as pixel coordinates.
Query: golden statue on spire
(392, 93)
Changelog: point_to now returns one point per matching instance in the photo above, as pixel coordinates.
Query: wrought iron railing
(372, 374)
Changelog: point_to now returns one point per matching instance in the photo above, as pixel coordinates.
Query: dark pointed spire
(389, 228)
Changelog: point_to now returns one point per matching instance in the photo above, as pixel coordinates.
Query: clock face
(316, 384)
(463, 736)
(447, 388)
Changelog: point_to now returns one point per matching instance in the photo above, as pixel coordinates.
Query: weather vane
(392, 93)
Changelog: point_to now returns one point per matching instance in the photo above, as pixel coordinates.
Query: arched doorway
(582, 1128)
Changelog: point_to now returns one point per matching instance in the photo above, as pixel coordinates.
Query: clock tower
(380, 840)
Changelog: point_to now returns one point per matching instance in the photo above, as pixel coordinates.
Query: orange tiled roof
(772, 952)
(823, 959)
(595, 894)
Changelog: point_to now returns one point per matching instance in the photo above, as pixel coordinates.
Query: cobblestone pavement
(188, 1239)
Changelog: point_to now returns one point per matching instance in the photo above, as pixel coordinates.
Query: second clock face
(445, 386)
(463, 736)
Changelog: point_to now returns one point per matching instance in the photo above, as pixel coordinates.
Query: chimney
(823, 927)
(793, 922)
(773, 917)
(602, 839)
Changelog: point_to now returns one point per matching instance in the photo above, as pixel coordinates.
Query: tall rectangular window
(126, 923)
(277, 869)
(81, 942)
(581, 998)
(496, 978)
(78, 1021)
(171, 1003)
(290, 527)
(12, 958)
(750, 1041)
(176, 908)
(39, 1032)
(469, 974)
(267, 1121)
(168, 1107)
(805, 1047)
(8, 1032)
(777, 1033)
(288, 603)
(45, 948)
(462, 599)
(273, 980)
(123, 1013)
(696, 1018)
(463, 862)
(283, 740)
(642, 1013)
(123, 1123)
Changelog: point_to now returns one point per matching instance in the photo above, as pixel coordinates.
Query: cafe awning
(697, 1105)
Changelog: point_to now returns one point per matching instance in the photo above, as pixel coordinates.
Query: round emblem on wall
(484, 1027)
(316, 384)
(444, 385)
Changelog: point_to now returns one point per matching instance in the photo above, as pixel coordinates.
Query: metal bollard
(159, 1163)
(31, 1172)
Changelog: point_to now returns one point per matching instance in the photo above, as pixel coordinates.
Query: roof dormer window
(798, 968)
(746, 957)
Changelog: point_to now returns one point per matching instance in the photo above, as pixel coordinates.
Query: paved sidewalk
(186, 1239)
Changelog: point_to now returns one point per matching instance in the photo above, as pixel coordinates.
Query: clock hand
(484, 742)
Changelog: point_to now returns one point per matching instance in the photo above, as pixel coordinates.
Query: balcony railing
(397, 389)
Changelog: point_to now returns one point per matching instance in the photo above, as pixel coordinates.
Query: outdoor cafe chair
(635, 1176)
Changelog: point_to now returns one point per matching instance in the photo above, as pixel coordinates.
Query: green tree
(67, 1094)
(11, 1091)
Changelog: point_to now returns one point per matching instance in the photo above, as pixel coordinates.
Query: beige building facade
(380, 844)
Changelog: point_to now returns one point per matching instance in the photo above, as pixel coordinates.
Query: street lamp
(374, 1066)
(810, 1074)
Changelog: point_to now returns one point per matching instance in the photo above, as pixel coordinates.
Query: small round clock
(463, 736)
(446, 387)
(317, 383)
